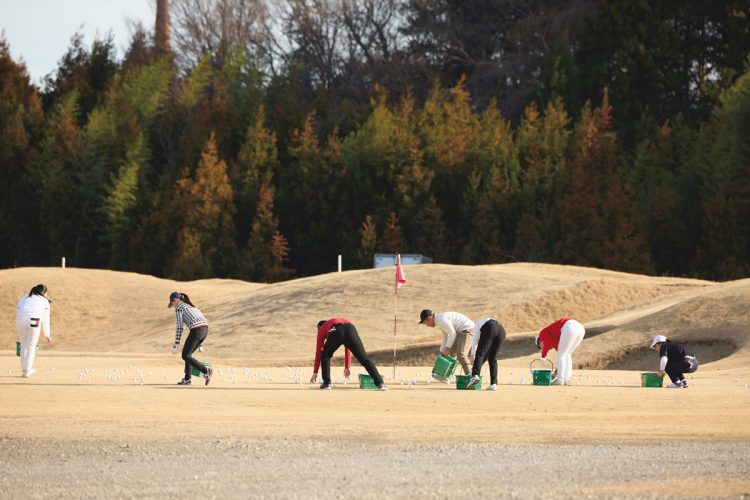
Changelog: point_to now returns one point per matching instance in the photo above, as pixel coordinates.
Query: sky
(39, 31)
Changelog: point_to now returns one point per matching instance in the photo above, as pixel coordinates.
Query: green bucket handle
(540, 360)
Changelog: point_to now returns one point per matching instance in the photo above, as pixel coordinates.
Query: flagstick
(395, 314)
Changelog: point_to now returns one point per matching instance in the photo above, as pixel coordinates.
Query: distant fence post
(339, 262)
(63, 262)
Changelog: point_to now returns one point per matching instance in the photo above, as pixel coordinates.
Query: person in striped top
(187, 314)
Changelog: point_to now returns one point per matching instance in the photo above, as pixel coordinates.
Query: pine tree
(205, 242)
(21, 128)
(256, 164)
(596, 215)
(542, 142)
(368, 242)
(392, 240)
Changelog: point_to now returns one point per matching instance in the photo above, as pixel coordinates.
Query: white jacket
(450, 323)
(477, 333)
(34, 307)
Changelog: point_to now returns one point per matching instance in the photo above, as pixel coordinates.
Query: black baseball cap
(426, 313)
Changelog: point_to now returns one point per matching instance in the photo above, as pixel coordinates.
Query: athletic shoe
(30, 372)
(492, 387)
(208, 374)
(24, 374)
(325, 386)
(558, 381)
(474, 381)
(675, 385)
(684, 384)
(185, 381)
(382, 387)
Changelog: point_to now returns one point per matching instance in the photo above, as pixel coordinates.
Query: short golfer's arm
(46, 324)
(347, 358)
(475, 342)
(662, 363)
(178, 327)
(318, 351)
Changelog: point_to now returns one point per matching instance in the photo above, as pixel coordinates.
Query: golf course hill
(112, 312)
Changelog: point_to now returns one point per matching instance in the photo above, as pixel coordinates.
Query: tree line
(273, 136)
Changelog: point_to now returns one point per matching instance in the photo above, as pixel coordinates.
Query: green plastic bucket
(444, 366)
(463, 380)
(196, 372)
(366, 382)
(651, 380)
(541, 376)
(18, 349)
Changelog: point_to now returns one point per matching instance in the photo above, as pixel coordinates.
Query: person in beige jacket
(457, 334)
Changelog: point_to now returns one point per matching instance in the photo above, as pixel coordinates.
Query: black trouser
(346, 334)
(492, 335)
(677, 369)
(193, 342)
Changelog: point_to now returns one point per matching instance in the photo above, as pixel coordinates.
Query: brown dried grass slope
(109, 311)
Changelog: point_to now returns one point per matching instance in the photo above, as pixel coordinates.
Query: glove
(174, 349)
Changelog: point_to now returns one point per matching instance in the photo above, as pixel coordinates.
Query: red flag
(400, 277)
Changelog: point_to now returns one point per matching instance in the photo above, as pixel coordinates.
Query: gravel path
(281, 468)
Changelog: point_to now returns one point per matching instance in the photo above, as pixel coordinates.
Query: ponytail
(184, 297)
(40, 289)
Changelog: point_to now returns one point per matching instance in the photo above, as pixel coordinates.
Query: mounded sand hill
(103, 416)
(273, 324)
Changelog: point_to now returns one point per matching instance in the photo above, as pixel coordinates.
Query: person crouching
(674, 360)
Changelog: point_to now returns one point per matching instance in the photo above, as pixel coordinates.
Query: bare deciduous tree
(216, 26)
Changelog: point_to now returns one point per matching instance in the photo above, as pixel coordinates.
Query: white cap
(657, 339)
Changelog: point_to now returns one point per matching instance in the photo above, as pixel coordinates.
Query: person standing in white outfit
(32, 317)
(564, 335)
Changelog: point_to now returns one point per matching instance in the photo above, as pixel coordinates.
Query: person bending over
(564, 335)
(488, 335)
(457, 334)
(332, 334)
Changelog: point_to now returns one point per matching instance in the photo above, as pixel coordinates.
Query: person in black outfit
(332, 334)
(674, 360)
(491, 335)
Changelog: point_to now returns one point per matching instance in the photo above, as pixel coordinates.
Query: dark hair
(40, 289)
(184, 297)
(321, 323)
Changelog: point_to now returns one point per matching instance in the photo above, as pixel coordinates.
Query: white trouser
(29, 336)
(571, 336)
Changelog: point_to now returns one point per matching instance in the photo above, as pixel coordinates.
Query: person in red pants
(332, 334)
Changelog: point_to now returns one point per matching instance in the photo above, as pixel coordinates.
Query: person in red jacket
(564, 335)
(332, 334)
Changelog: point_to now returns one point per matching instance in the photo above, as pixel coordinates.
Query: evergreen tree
(542, 142)
(724, 155)
(596, 216)
(58, 166)
(205, 241)
(21, 128)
